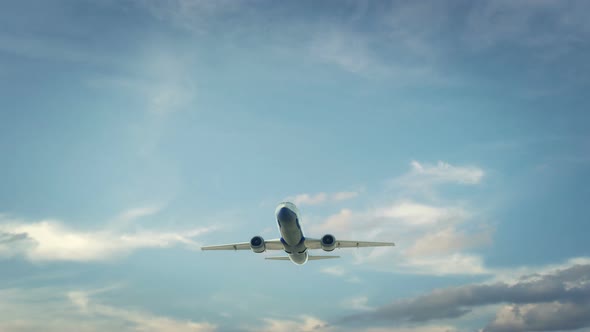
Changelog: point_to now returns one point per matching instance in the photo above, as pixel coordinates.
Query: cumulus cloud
(429, 239)
(413, 227)
(52, 240)
(432, 236)
(552, 316)
(547, 302)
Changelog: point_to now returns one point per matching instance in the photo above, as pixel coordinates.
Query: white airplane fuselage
(292, 237)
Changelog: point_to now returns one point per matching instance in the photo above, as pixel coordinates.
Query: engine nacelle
(328, 242)
(257, 244)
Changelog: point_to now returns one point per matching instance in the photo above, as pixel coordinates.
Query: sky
(134, 132)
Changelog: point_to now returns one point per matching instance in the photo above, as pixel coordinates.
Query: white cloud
(307, 323)
(339, 271)
(449, 264)
(308, 199)
(421, 214)
(357, 303)
(344, 195)
(334, 270)
(135, 213)
(51, 240)
(341, 222)
(448, 240)
(430, 238)
(322, 197)
(426, 175)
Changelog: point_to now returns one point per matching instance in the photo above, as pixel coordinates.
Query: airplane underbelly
(292, 235)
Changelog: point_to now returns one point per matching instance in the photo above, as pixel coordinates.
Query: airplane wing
(316, 244)
(311, 258)
(274, 244)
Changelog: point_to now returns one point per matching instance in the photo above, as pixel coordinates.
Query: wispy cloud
(52, 309)
(423, 175)
(448, 240)
(140, 321)
(418, 214)
(195, 16)
(52, 240)
(359, 303)
(347, 50)
(341, 272)
(322, 197)
(304, 323)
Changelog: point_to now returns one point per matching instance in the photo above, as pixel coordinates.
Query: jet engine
(257, 244)
(328, 242)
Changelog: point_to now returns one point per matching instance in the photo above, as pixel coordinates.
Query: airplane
(292, 240)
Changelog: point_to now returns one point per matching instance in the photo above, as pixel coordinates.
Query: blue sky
(133, 132)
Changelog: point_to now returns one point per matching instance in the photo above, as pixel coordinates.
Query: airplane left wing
(270, 245)
(316, 244)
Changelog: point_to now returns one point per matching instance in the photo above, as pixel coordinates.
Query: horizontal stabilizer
(278, 258)
(313, 258)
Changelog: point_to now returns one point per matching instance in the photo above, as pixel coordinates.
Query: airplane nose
(285, 215)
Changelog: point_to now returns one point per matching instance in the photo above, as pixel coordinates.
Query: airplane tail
(311, 258)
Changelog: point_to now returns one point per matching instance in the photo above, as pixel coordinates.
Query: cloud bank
(559, 300)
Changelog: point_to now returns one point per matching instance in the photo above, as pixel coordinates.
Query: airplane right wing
(317, 244)
(311, 258)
